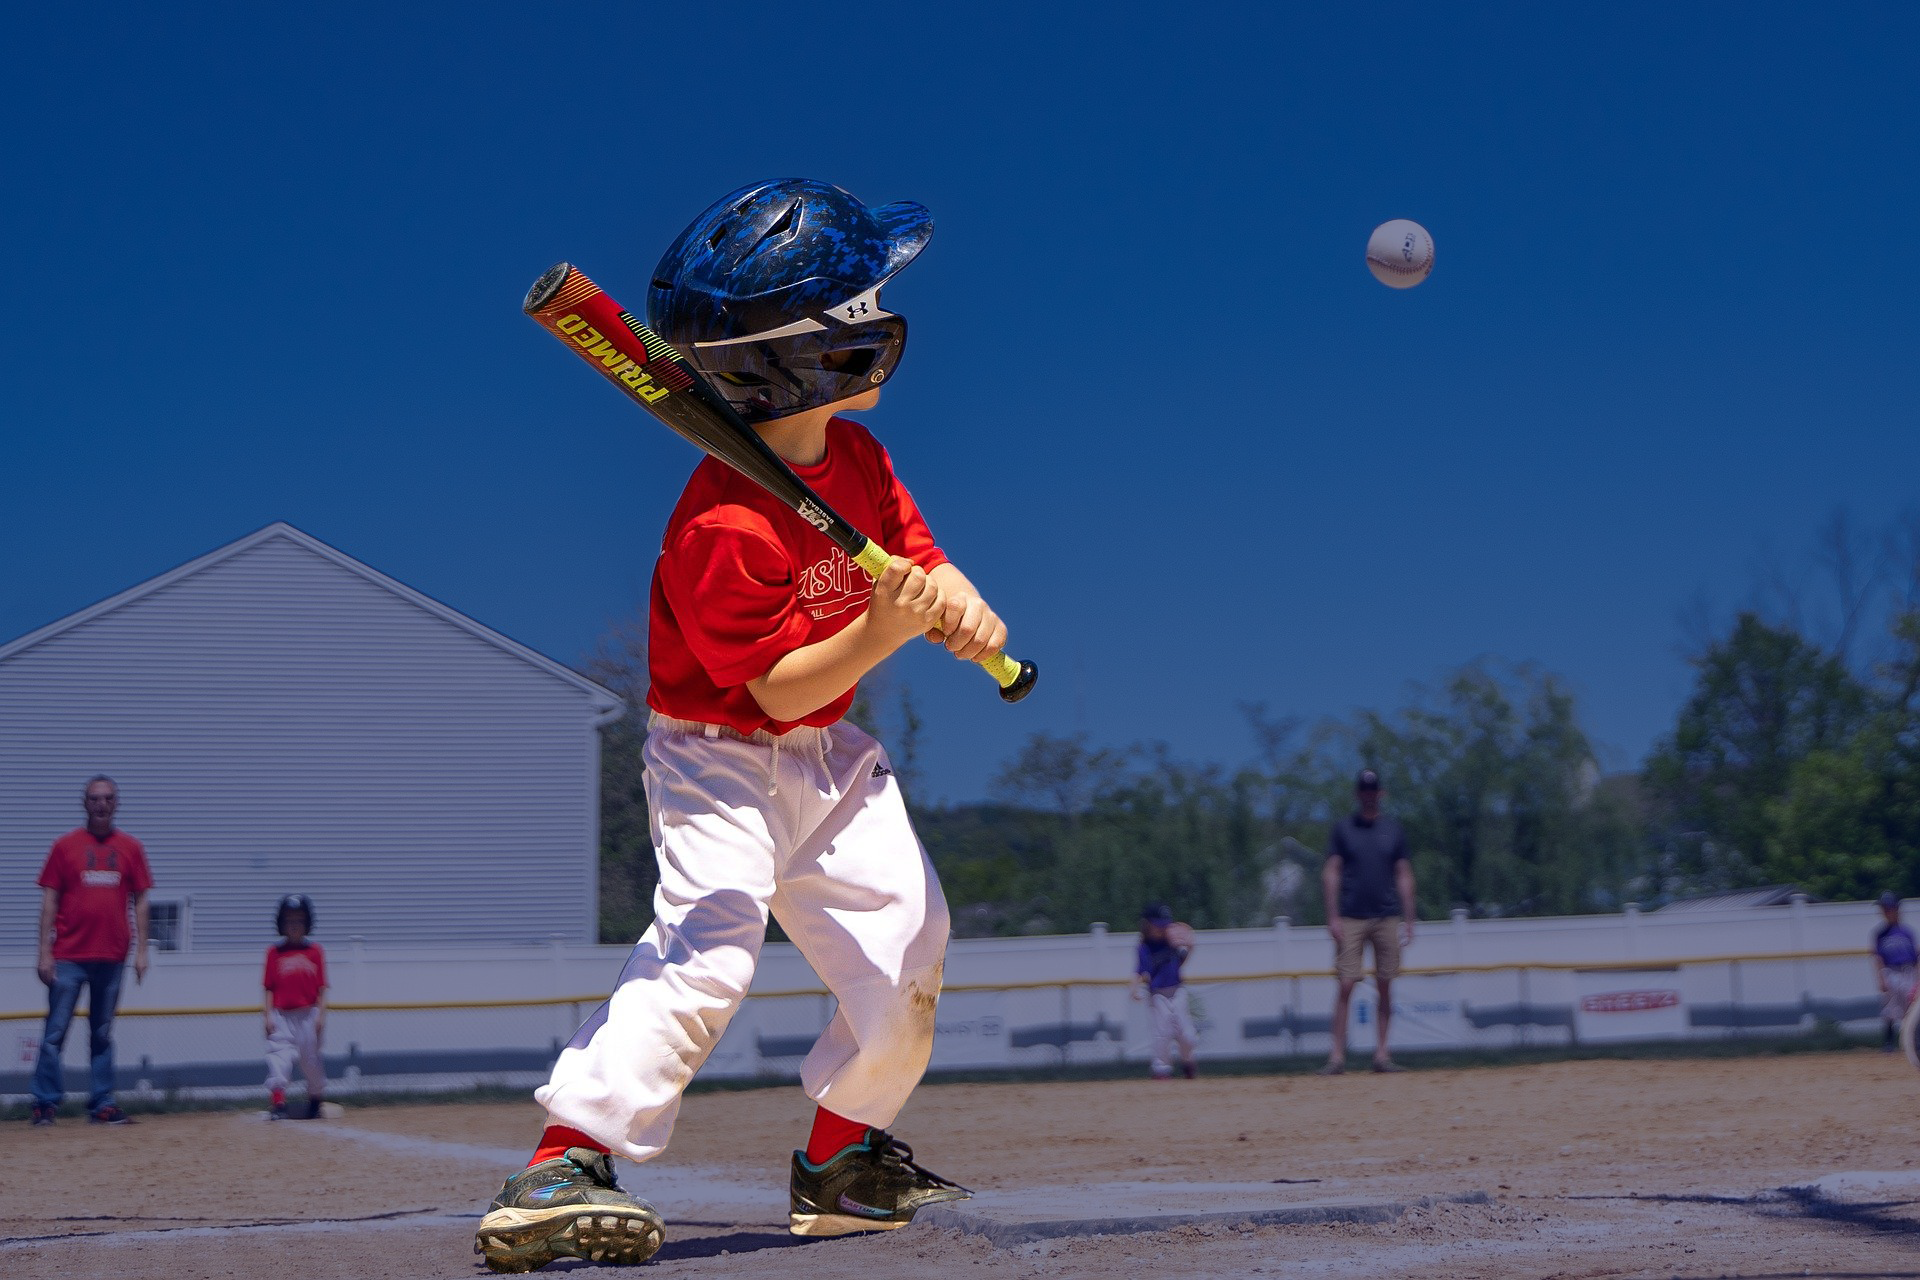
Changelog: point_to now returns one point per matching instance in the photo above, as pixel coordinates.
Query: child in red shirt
(295, 1007)
(762, 799)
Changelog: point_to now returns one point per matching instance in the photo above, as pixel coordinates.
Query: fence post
(1097, 935)
(1739, 1000)
(1288, 1003)
(1066, 1023)
(1796, 919)
(356, 957)
(1292, 1024)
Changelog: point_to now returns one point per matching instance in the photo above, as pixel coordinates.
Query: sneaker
(567, 1207)
(110, 1114)
(871, 1186)
(42, 1114)
(278, 1111)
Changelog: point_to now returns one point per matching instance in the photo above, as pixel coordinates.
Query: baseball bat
(663, 382)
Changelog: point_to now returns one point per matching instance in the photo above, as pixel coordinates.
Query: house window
(167, 924)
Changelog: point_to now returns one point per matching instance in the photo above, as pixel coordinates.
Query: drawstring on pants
(823, 743)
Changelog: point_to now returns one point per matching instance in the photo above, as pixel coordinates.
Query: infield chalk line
(1854, 1184)
(412, 1218)
(1004, 1234)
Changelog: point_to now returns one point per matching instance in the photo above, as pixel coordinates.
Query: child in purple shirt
(1164, 948)
(1896, 960)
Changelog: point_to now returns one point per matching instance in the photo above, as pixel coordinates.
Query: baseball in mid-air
(1400, 253)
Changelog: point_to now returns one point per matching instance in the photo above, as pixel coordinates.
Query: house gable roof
(606, 703)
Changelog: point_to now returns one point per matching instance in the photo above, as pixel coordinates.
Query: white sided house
(284, 719)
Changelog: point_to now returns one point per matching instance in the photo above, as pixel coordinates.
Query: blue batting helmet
(774, 293)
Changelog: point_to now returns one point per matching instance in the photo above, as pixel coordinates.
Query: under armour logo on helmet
(857, 309)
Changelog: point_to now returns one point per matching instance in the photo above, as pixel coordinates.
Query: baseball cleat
(567, 1207)
(110, 1114)
(42, 1114)
(870, 1186)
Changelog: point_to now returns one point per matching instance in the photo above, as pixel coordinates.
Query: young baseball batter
(762, 799)
(295, 1006)
(1164, 948)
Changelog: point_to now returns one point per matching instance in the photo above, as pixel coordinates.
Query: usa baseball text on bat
(660, 380)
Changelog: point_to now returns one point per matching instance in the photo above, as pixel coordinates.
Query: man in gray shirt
(1369, 886)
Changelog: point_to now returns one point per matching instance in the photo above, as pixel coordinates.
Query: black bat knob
(1022, 684)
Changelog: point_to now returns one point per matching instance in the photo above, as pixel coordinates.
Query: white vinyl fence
(454, 1018)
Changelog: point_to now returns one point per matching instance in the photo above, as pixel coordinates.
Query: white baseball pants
(295, 1035)
(1900, 989)
(1172, 1025)
(810, 827)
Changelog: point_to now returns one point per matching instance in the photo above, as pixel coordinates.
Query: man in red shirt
(89, 878)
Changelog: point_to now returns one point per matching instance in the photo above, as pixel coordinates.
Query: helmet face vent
(786, 225)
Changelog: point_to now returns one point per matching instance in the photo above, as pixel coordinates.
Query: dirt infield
(1619, 1168)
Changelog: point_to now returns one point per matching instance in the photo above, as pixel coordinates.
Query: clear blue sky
(267, 261)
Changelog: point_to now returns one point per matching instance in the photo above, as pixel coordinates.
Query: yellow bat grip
(873, 558)
(1005, 671)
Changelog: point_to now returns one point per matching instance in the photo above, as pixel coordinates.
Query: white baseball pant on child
(295, 1035)
(1172, 1024)
(809, 826)
(1900, 989)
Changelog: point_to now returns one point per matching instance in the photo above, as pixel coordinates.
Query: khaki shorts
(1383, 933)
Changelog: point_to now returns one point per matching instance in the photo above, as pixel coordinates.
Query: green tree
(628, 872)
(1847, 823)
(1063, 774)
(1187, 835)
(1764, 700)
(1498, 787)
(1827, 831)
(1504, 804)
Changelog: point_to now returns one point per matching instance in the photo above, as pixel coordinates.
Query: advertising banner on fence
(1628, 1004)
(970, 1030)
(1426, 1013)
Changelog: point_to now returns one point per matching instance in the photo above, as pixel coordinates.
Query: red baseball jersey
(96, 879)
(295, 975)
(742, 581)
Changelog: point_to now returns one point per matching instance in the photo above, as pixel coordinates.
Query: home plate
(1126, 1208)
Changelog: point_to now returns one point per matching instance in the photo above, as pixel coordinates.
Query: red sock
(831, 1135)
(556, 1140)
(279, 1096)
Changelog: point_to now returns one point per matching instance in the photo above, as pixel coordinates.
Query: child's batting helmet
(774, 293)
(293, 902)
